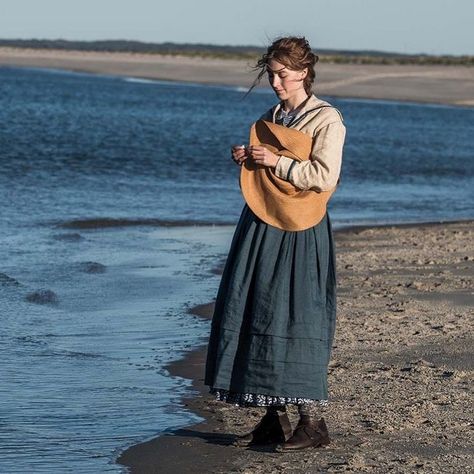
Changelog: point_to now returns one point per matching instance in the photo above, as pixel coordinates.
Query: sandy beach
(452, 85)
(400, 375)
(401, 371)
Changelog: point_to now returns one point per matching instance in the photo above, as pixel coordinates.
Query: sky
(404, 26)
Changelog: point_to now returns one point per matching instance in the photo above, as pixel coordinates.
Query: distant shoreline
(226, 51)
(435, 84)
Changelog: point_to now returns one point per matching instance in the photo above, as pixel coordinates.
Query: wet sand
(427, 84)
(400, 376)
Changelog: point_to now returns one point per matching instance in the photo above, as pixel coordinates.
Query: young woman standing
(275, 312)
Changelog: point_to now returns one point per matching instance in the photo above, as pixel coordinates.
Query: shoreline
(206, 446)
(447, 85)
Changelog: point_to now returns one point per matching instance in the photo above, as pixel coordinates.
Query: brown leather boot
(308, 433)
(274, 427)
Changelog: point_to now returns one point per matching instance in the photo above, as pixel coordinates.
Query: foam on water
(140, 80)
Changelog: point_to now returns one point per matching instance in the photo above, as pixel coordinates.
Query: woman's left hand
(263, 156)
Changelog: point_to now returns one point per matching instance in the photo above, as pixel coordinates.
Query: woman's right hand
(239, 153)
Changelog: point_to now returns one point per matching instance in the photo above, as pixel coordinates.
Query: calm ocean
(118, 199)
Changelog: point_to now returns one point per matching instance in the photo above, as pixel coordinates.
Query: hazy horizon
(178, 43)
(406, 27)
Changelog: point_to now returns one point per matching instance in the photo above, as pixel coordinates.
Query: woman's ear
(304, 73)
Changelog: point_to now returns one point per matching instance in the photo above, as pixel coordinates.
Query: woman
(275, 311)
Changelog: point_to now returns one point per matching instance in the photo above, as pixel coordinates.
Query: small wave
(6, 280)
(140, 80)
(101, 223)
(69, 237)
(92, 267)
(72, 354)
(30, 340)
(42, 297)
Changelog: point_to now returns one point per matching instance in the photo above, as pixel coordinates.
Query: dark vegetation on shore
(234, 52)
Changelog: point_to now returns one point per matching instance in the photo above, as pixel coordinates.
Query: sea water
(118, 199)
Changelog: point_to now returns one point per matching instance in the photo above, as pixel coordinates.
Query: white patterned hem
(258, 400)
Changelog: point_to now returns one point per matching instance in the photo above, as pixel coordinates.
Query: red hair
(294, 53)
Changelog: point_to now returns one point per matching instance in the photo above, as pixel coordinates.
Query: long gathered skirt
(275, 314)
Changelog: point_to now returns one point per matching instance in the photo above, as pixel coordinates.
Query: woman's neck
(294, 102)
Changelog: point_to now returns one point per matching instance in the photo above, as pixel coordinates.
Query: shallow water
(110, 190)
(83, 376)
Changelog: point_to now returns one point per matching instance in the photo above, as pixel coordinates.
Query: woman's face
(285, 82)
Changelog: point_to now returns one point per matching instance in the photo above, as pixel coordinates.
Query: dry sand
(430, 84)
(400, 375)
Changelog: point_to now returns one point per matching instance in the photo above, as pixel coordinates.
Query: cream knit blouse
(325, 124)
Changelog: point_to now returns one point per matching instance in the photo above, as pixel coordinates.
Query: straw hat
(274, 200)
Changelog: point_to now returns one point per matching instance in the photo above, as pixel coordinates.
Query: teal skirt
(275, 314)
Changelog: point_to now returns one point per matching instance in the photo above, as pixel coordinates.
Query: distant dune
(428, 83)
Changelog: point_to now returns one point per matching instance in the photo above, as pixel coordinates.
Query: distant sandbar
(435, 84)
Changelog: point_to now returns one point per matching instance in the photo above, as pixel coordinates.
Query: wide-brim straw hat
(274, 200)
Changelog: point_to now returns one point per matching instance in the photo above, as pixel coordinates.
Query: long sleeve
(321, 172)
